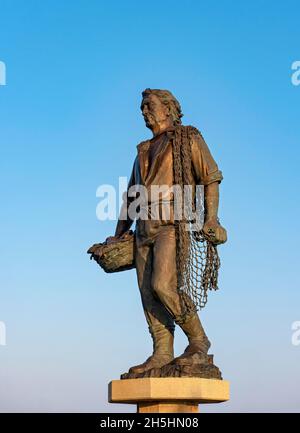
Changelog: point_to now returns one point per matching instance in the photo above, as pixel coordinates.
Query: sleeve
(131, 182)
(127, 198)
(205, 168)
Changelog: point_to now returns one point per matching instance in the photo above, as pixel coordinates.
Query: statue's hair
(169, 100)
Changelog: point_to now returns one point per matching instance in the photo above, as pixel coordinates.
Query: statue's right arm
(125, 222)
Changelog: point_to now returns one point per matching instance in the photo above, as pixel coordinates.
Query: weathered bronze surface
(115, 256)
(158, 249)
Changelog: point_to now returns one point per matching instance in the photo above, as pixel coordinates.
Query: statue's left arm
(207, 173)
(125, 222)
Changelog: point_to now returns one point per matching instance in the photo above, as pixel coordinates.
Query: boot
(198, 341)
(163, 351)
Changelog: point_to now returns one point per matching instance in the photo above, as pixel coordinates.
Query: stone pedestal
(169, 394)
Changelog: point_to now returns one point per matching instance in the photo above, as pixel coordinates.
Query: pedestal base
(168, 407)
(168, 395)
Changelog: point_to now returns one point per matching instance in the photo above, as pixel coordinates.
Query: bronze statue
(161, 247)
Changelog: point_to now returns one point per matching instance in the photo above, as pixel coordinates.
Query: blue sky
(70, 121)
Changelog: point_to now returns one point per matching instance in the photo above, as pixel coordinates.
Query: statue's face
(154, 111)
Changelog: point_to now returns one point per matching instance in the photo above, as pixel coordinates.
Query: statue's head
(160, 109)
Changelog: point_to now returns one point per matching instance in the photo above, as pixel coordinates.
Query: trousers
(155, 260)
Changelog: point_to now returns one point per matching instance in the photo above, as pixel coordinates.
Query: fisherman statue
(174, 245)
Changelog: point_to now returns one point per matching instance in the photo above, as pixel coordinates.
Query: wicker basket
(115, 256)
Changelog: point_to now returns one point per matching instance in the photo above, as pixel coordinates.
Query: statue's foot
(154, 361)
(194, 351)
(196, 347)
(196, 364)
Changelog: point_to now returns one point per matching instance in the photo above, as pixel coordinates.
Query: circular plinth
(169, 394)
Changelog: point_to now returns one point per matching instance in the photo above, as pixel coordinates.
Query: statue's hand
(117, 238)
(112, 239)
(214, 232)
